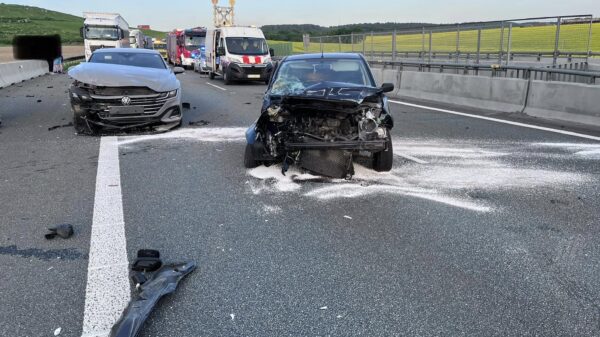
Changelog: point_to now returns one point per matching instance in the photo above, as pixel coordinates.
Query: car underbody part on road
(64, 231)
(164, 281)
(147, 261)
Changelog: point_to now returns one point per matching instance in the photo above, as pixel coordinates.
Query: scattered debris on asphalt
(57, 331)
(348, 217)
(200, 122)
(186, 106)
(29, 96)
(323, 308)
(147, 261)
(232, 316)
(150, 291)
(39, 101)
(64, 231)
(52, 128)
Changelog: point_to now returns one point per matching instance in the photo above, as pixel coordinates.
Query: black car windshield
(130, 59)
(247, 46)
(101, 33)
(294, 77)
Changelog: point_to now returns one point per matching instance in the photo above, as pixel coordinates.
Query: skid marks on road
(454, 169)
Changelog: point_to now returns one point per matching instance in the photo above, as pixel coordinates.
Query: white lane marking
(409, 157)
(108, 291)
(562, 132)
(216, 86)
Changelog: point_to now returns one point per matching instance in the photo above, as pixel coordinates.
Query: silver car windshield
(130, 59)
(295, 76)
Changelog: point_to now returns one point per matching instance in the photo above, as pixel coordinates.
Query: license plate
(253, 76)
(126, 110)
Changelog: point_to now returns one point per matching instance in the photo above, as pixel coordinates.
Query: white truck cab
(104, 30)
(238, 54)
(137, 39)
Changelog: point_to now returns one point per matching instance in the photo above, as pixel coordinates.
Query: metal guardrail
(533, 38)
(511, 71)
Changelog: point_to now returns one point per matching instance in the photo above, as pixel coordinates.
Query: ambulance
(238, 54)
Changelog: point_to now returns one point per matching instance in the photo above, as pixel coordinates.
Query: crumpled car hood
(112, 75)
(329, 95)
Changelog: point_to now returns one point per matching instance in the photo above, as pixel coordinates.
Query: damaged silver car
(321, 111)
(121, 89)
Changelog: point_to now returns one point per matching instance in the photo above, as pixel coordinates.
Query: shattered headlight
(172, 94)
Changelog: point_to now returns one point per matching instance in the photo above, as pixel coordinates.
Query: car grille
(151, 103)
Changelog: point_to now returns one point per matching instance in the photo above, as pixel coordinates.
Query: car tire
(383, 161)
(227, 77)
(211, 75)
(249, 161)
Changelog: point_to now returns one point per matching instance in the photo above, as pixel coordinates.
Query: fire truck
(184, 46)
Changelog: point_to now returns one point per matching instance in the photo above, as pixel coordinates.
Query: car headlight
(172, 94)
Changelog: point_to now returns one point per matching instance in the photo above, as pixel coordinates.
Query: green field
(26, 20)
(573, 38)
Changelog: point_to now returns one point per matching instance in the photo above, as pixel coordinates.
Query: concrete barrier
(500, 94)
(569, 102)
(377, 75)
(19, 71)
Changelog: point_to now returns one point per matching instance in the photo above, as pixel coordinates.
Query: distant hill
(295, 32)
(28, 20)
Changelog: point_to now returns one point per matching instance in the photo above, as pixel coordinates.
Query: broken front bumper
(370, 145)
(127, 111)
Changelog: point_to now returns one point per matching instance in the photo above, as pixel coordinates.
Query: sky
(166, 15)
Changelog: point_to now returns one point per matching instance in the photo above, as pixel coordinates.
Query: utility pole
(223, 16)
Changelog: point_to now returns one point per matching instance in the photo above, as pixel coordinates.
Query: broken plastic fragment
(57, 331)
(163, 282)
(64, 231)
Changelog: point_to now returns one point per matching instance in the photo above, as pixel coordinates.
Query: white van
(104, 30)
(238, 54)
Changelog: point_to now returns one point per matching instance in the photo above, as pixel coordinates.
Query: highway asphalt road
(482, 229)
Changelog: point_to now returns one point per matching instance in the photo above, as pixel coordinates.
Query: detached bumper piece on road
(163, 282)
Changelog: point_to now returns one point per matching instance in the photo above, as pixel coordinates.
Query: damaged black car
(122, 89)
(320, 112)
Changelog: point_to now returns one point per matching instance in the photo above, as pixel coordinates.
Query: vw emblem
(126, 100)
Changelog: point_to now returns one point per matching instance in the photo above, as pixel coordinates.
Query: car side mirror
(221, 51)
(387, 87)
(271, 52)
(178, 70)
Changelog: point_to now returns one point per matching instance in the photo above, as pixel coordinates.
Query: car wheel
(227, 77)
(249, 160)
(384, 160)
(211, 75)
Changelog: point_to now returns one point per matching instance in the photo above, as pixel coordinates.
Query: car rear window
(130, 59)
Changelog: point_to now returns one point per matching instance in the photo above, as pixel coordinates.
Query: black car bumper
(250, 72)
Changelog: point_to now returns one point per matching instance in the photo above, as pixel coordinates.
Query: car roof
(126, 50)
(330, 56)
